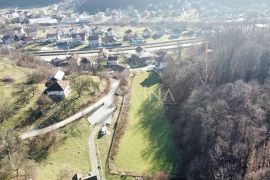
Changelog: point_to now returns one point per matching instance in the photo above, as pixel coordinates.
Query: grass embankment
(19, 76)
(72, 154)
(147, 146)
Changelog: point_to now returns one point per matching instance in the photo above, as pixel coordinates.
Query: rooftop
(139, 49)
(58, 86)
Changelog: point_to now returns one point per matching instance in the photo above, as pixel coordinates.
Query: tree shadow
(151, 80)
(40, 147)
(162, 151)
(66, 108)
(32, 116)
(99, 136)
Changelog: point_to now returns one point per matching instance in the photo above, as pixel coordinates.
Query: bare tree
(14, 156)
(82, 84)
(221, 118)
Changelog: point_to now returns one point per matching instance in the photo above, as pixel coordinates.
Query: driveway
(104, 113)
(93, 152)
(91, 108)
(99, 117)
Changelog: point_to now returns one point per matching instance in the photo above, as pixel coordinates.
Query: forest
(221, 119)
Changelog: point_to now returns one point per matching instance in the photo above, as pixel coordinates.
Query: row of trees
(221, 120)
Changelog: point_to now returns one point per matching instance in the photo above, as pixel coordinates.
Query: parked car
(103, 130)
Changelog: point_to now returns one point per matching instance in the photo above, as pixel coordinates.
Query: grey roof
(58, 86)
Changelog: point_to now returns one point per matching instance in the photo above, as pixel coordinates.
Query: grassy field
(71, 155)
(9, 69)
(37, 46)
(147, 146)
(19, 75)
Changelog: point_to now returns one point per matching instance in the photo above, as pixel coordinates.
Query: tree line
(221, 119)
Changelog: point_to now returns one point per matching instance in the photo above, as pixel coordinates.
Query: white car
(103, 130)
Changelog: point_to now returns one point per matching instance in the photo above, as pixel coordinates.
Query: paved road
(104, 113)
(100, 116)
(97, 105)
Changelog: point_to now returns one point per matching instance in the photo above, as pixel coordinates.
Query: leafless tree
(14, 157)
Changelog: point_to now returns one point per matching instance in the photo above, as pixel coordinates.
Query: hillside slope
(94, 5)
(221, 118)
(26, 3)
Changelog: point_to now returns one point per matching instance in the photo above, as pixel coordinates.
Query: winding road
(85, 112)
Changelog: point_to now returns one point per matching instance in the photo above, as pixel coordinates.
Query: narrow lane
(99, 117)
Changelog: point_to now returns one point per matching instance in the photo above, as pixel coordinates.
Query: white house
(147, 33)
(103, 53)
(15, 15)
(97, 31)
(100, 16)
(112, 60)
(110, 32)
(72, 31)
(142, 53)
(2, 20)
(78, 37)
(52, 37)
(137, 40)
(58, 88)
(94, 41)
(128, 35)
(18, 30)
(85, 29)
(115, 17)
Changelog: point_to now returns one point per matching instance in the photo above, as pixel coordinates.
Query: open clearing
(72, 154)
(147, 146)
